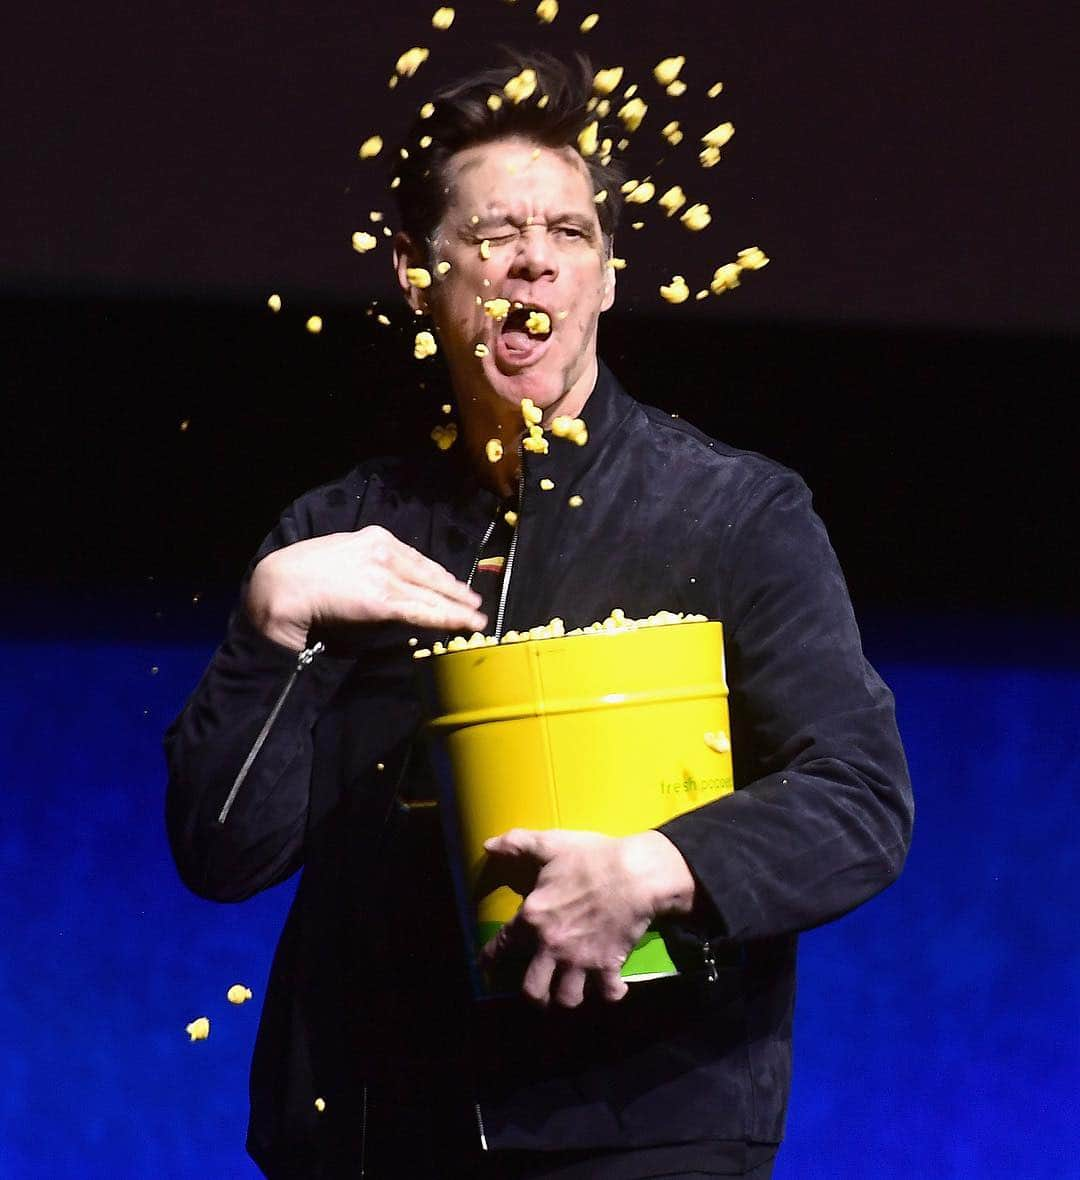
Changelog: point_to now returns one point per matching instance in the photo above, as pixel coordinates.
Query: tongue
(517, 339)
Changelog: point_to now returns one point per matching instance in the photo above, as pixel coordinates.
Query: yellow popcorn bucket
(614, 732)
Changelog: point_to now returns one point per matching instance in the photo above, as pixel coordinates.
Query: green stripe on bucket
(649, 957)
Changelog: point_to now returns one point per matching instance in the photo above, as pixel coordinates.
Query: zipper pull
(711, 973)
(305, 658)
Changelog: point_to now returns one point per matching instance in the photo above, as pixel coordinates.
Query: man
(297, 747)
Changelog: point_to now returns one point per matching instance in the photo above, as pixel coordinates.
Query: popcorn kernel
(719, 135)
(717, 741)
(632, 113)
(443, 18)
(547, 485)
(427, 110)
(320, 1104)
(587, 139)
(481, 350)
(538, 323)
(274, 303)
(494, 102)
(238, 994)
(547, 11)
(677, 291)
(371, 147)
(714, 89)
(419, 277)
(511, 518)
(666, 71)
(485, 250)
(314, 324)
(673, 200)
(590, 22)
(498, 309)
(697, 217)
(198, 1030)
(443, 268)
(411, 60)
(606, 81)
(575, 501)
(493, 450)
(677, 88)
(521, 86)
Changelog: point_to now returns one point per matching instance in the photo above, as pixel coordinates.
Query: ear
(407, 254)
(609, 285)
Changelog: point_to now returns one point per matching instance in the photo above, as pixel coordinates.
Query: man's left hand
(593, 898)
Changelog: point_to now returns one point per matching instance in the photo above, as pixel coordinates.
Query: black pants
(413, 1143)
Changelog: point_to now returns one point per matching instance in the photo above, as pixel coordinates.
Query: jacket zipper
(303, 660)
(711, 973)
(513, 543)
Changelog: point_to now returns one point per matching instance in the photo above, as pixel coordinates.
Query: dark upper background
(910, 349)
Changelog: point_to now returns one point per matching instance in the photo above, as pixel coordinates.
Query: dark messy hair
(463, 118)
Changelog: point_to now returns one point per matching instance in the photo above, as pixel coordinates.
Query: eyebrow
(568, 218)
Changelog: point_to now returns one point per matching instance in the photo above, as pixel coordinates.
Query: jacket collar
(473, 506)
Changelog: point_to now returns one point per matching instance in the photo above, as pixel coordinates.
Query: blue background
(936, 1027)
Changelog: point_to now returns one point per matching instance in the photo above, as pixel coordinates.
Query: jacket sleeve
(822, 820)
(261, 840)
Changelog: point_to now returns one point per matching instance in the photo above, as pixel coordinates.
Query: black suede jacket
(368, 991)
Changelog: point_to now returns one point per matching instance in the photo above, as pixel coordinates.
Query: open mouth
(524, 334)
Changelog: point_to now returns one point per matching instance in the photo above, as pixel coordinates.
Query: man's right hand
(368, 576)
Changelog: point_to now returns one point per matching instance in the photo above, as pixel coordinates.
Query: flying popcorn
(668, 70)
(672, 201)
(314, 324)
(494, 102)
(709, 157)
(362, 242)
(274, 303)
(677, 291)
(481, 350)
(538, 323)
(485, 250)
(238, 994)
(726, 278)
(547, 11)
(672, 133)
(493, 450)
(411, 60)
(418, 277)
(535, 442)
(590, 22)
(644, 192)
(443, 268)
(531, 412)
(320, 1104)
(752, 258)
(587, 139)
(617, 263)
(443, 18)
(547, 485)
(719, 135)
(606, 80)
(198, 1030)
(383, 319)
(427, 110)
(632, 113)
(370, 147)
(600, 197)
(677, 88)
(444, 437)
(424, 345)
(511, 518)
(563, 426)
(521, 86)
(575, 501)
(697, 217)
(714, 89)
(498, 309)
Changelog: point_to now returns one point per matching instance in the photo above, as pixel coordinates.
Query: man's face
(535, 208)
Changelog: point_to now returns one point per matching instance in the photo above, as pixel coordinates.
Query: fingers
(570, 989)
(610, 984)
(518, 842)
(536, 985)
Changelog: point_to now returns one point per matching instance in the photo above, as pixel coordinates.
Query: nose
(535, 257)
